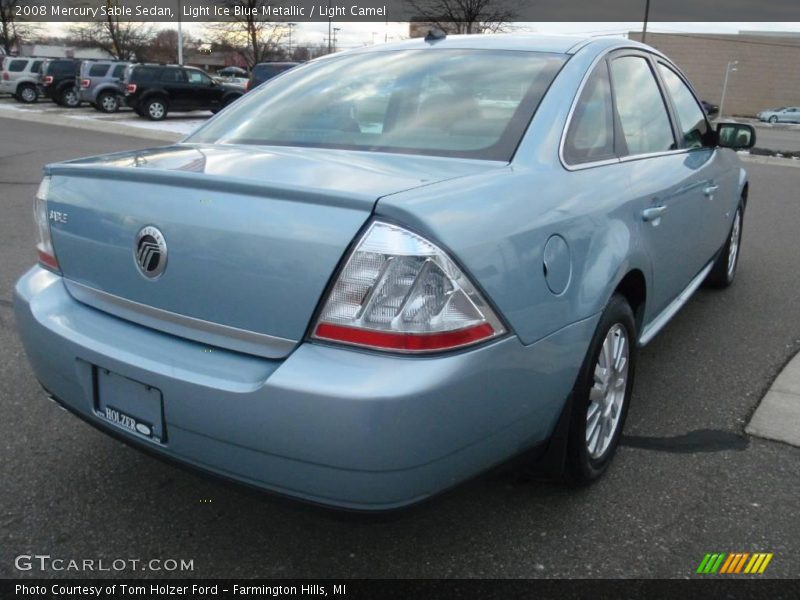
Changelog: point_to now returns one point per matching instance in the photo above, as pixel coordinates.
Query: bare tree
(12, 32)
(124, 40)
(254, 37)
(464, 16)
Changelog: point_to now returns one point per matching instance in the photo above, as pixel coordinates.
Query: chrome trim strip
(673, 307)
(199, 330)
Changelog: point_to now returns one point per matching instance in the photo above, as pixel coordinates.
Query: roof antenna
(435, 34)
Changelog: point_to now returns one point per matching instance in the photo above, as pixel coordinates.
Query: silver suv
(20, 76)
(99, 84)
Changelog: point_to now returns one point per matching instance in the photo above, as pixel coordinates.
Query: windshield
(469, 103)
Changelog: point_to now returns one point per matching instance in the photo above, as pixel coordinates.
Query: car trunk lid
(249, 249)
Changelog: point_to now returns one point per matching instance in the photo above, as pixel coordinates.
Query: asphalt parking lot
(687, 481)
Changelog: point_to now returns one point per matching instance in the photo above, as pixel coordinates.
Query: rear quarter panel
(497, 224)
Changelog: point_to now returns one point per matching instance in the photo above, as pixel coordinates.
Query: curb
(92, 125)
(774, 161)
(778, 415)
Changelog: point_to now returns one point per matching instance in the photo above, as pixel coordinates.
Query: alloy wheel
(109, 103)
(733, 245)
(607, 394)
(156, 110)
(28, 94)
(71, 98)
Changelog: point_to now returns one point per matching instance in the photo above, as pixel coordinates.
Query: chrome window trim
(198, 330)
(623, 159)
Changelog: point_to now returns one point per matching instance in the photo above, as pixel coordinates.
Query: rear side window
(591, 132)
(172, 76)
(98, 70)
(119, 71)
(17, 65)
(693, 124)
(145, 74)
(36, 66)
(642, 113)
(198, 78)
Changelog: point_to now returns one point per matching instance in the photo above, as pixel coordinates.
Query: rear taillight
(47, 80)
(246, 85)
(44, 247)
(399, 292)
(6, 76)
(85, 83)
(131, 88)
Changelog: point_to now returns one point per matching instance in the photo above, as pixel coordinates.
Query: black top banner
(403, 10)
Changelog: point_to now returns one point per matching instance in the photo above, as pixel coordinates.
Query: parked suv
(154, 90)
(263, 71)
(20, 77)
(99, 84)
(58, 81)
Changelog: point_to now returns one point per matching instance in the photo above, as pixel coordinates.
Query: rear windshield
(468, 103)
(141, 74)
(98, 70)
(62, 67)
(264, 72)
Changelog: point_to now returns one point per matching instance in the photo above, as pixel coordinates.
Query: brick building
(767, 74)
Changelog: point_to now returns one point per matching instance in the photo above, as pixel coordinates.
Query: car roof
(529, 42)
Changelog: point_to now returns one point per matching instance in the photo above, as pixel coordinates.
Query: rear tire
(107, 102)
(724, 270)
(602, 394)
(155, 109)
(69, 97)
(27, 93)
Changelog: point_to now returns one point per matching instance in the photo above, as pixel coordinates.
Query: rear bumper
(333, 426)
(8, 87)
(86, 95)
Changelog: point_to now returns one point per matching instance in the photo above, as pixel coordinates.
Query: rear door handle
(710, 189)
(653, 213)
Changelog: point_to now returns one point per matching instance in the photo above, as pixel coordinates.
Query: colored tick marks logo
(735, 563)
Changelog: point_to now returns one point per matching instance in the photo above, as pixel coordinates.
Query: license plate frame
(132, 406)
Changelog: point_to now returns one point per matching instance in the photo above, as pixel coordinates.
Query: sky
(355, 34)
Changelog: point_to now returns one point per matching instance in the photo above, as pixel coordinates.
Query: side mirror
(736, 136)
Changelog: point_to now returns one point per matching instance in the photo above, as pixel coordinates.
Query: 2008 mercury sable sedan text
(387, 270)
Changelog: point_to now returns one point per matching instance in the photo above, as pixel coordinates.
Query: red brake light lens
(131, 88)
(47, 79)
(85, 83)
(6, 76)
(44, 247)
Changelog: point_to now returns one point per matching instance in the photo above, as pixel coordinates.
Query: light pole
(180, 36)
(646, 18)
(291, 27)
(335, 31)
(730, 68)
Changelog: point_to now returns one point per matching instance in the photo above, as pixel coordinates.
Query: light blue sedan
(388, 270)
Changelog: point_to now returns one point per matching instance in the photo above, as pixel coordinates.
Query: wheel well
(745, 191)
(634, 288)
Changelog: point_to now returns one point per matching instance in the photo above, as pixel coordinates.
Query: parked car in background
(712, 110)
(99, 84)
(265, 71)
(396, 299)
(58, 81)
(20, 77)
(153, 91)
(783, 114)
